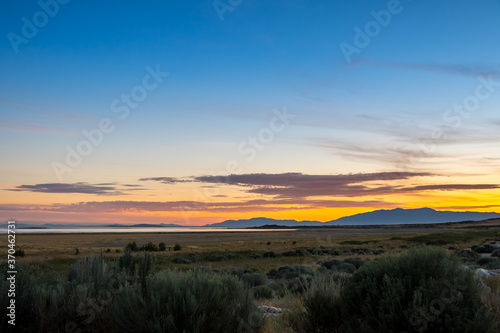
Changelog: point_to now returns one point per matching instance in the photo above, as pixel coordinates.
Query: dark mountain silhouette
(411, 216)
(378, 217)
(262, 221)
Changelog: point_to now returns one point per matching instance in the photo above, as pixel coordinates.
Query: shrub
(491, 295)
(496, 253)
(261, 292)
(162, 246)
(254, 279)
(487, 248)
(322, 304)
(181, 261)
(270, 254)
(346, 267)
(296, 253)
(467, 256)
(149, 247)
(294, 278)
(493, 265)
(331, 264)
(132, 247)
(357, 262)
(214, 257)
(196, 301)
(485, 261)
(19, 253)
(177, 247)
(422, 291)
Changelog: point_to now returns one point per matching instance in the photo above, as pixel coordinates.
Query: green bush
(177, 247)
(270, 254)
(262, 292)
(294, 278)
(485, 261)
(254, 279)
(489, 262)
(346, 267)
(132, 247)
(322, 304)
(467, 256)
(487, 248)
(149, 247)
(181, 261)
(357, 262)
(331, 264)
(423, 291)
(214, 257)
(196, 301)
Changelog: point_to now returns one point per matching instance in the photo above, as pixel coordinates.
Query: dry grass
(58, 250)
(492, 296)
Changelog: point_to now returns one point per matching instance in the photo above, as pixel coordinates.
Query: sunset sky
(196, 112)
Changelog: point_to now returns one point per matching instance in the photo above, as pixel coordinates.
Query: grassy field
(59, 250)
(306, 272)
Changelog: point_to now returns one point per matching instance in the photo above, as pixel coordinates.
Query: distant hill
(21, 225)
(378, 217)
(411, 216)
(144, 225)
(262, 221)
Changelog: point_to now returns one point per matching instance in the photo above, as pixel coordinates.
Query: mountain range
(378, 217)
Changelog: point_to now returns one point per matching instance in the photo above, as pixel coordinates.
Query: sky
(195, 112)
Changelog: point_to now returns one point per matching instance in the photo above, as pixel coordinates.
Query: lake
(132, 230)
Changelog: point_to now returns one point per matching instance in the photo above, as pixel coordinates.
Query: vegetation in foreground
(423, 291)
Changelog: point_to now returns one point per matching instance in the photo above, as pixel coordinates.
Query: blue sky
(226, 77)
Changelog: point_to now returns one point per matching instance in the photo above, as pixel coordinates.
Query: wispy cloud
(298, 185)
(165, 180)
(451, 187)
(81, 187)
(467, 70)
(258, 205)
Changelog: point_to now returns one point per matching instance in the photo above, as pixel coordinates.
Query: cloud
(451, 187)
(83, 188)
(298, 185)
(165, 180)
(258, 205)
(468, 207)
(466, 70)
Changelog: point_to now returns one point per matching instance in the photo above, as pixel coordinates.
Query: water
(133, 230)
